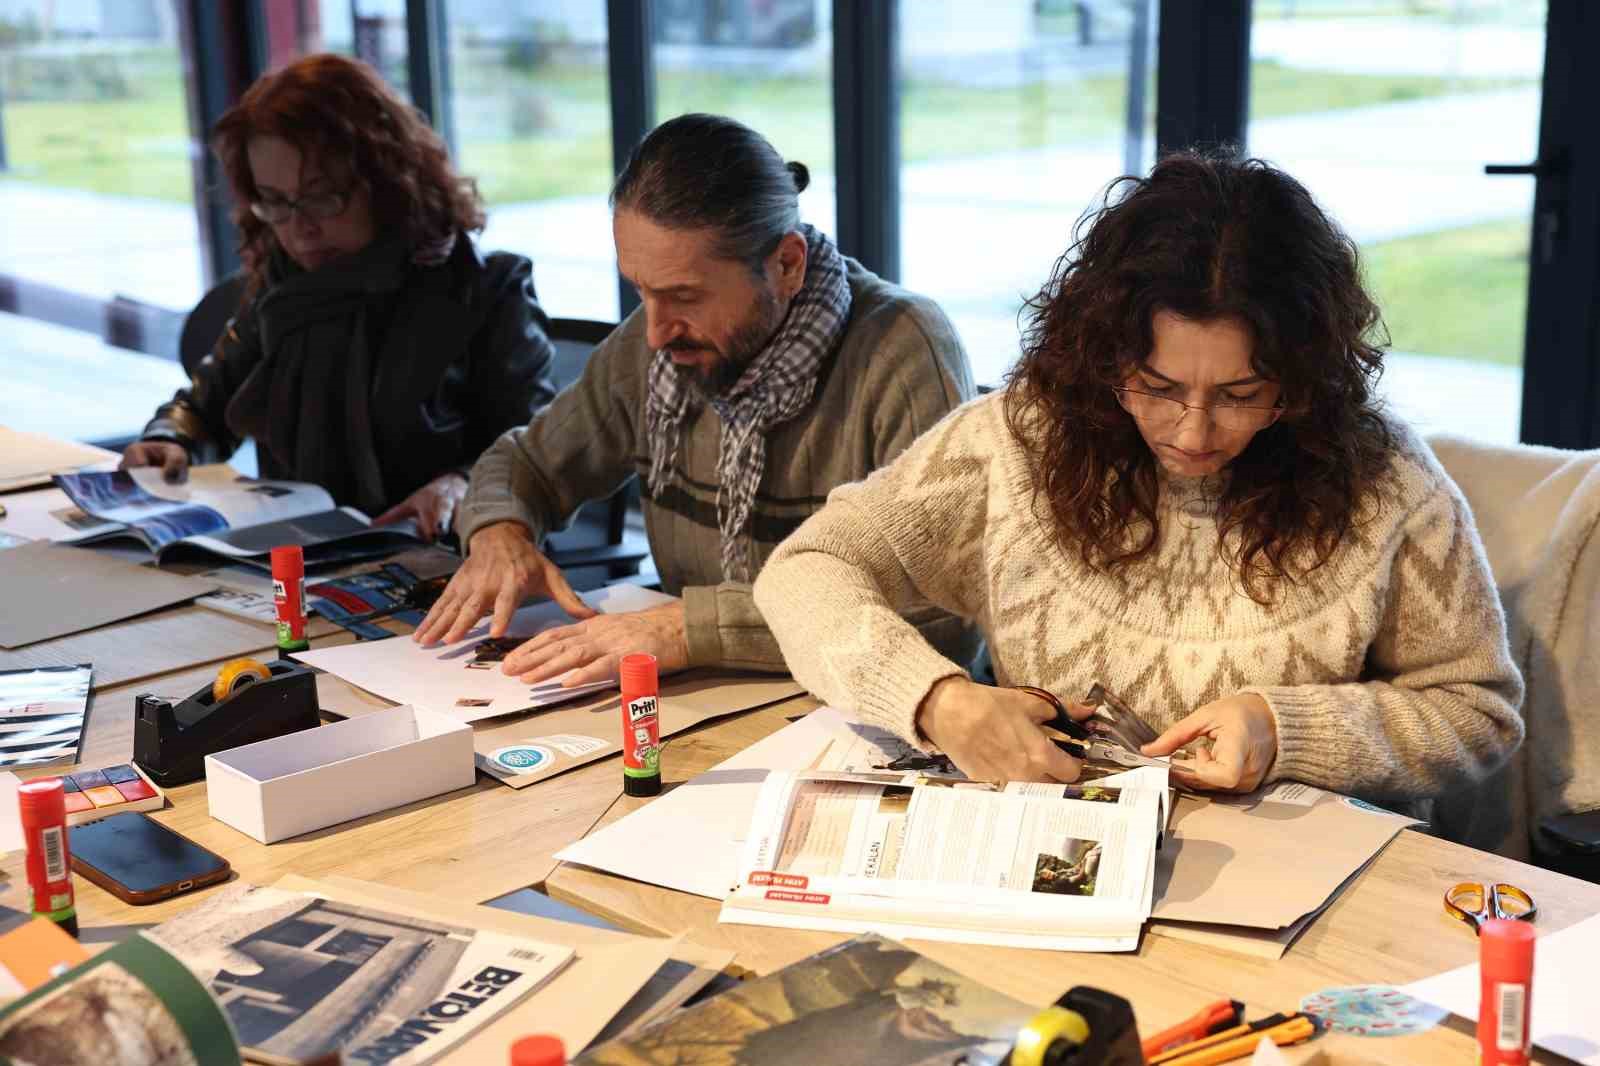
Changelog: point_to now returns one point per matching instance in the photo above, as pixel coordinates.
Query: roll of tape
(1049, 1025)
(236, 675)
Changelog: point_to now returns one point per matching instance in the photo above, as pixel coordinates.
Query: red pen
(641, 726)
(43, 805)
(289, 596)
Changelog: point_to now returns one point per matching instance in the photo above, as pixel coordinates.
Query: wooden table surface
(1388, 927)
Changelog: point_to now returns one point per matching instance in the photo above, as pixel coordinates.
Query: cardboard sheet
(1562, 1016)
(28, 459)
(576, 1005)
(52, 591)
(1244, 861)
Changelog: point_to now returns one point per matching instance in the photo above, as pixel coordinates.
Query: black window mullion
(1203, 73)
(428, 65)
(632, 71)
(866, 132)
(1561, 361)
(225, 45)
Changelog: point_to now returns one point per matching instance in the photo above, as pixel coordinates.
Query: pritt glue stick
(1505, 968)
(289, 596)
(641, 726)
(43, 806)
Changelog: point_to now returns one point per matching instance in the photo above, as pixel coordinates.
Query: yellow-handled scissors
(1476, 902)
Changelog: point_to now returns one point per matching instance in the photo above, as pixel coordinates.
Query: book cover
(867, 1001)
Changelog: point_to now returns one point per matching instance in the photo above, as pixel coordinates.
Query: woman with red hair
(377, 352)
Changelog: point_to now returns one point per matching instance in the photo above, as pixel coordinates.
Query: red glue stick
(1505, 996)
(289, 596)
(641, 726)
(43, 804)
(538, 1051)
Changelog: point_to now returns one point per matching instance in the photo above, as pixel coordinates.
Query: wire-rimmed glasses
(317, 205)
(1163, 412)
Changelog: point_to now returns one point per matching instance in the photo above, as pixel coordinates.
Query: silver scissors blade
(1105, 751)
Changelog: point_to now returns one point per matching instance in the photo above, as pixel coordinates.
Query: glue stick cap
(42, 801)
(638, 672)
(540, 1050)
(291, 556)
(1505, 949)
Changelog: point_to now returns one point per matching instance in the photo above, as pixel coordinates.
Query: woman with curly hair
(1187, 492)
(377, 352)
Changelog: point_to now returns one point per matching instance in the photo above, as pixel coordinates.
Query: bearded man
(762, 370)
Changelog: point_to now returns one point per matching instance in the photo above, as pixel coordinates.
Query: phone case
(138, 897)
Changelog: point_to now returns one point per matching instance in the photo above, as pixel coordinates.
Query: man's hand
(593, 650)
(172, 458)
(433, 506)
(1244, 744)
(992, 734)
(503, 568)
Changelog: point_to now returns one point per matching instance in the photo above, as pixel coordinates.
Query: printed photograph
(75, 519)
(1116, 721)
(492, 652)
(869, 1001)
(107, 1015)
(270, 491)
(467, 701)
(1073, 872)
(896, 799)
(1092, 793)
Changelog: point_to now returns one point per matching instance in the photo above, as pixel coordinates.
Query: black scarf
(308, 399)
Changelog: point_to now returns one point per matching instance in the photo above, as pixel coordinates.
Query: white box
(279, 788)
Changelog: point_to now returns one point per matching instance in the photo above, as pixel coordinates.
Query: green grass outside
(1460, 292)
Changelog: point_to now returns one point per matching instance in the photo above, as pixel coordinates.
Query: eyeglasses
(1163, 412)
(316, 205)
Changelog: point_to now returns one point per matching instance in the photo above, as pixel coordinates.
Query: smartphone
(139, 860)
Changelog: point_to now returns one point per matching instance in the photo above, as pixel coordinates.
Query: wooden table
(1388, 927)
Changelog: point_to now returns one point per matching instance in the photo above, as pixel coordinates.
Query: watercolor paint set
(96, 794)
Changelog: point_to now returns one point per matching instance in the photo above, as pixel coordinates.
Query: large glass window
(1388, 112)
(767, 63)
(1014, 117)
(531, 110)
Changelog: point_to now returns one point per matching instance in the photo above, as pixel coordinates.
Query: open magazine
(222, 512)
(1064, 867)
(300, 976)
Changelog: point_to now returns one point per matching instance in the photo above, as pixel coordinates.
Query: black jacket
(460, 355)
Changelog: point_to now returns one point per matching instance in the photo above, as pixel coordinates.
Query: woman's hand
(992, 734)
(433, 506)
(1244, 745)
(172, 458)
(503, 568)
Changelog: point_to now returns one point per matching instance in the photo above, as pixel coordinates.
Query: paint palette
(96, 794)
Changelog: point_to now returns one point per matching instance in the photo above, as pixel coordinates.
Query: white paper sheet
(10, 814)
(47, 514)
(1563, 1015)
(690, 839)
(439, 679)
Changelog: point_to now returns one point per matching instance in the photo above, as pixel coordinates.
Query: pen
(1240, 1041)
(1208, 1020)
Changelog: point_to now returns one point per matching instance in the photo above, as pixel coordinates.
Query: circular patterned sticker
(1370, 808)
(1372, 1010)
(521, 758)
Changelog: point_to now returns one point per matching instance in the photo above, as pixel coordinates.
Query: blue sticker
(1370, 808)
(1372, 1010)
(521, 758)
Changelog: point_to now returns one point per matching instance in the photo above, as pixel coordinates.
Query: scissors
(1083, 743)
(1476, 902)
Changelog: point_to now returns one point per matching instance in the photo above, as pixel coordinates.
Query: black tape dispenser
(1085, 1027)
(249, 701)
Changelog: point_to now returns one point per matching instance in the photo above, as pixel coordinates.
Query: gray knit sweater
(1387, 668)
(897, 371)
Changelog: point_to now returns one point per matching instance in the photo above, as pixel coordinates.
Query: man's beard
(748, 342)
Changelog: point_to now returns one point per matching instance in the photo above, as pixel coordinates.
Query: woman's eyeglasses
(1163, 412)
(317, 205)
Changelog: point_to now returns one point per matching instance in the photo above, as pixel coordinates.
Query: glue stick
(641, 726)
(289, 597)
(1505, 996)
(42, 804)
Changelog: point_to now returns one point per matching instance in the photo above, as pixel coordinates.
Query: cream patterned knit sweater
(1387, 668)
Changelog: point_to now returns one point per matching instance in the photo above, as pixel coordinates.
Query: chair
(599, 535)
(204, 325)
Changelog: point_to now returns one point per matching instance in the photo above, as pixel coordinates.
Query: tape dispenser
(1086, 1027)
(248, 701)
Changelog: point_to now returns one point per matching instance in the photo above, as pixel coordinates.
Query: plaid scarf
(775, 387)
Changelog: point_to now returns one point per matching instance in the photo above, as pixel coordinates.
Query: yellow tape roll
(1046, 1027)
(236, 675)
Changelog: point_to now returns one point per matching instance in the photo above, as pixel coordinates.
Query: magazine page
(49, 514)
(868, 1000)
(310, 531)
(132, 1004)
(949, 856)
(300, 976)
(42, 712)
(213, 499)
